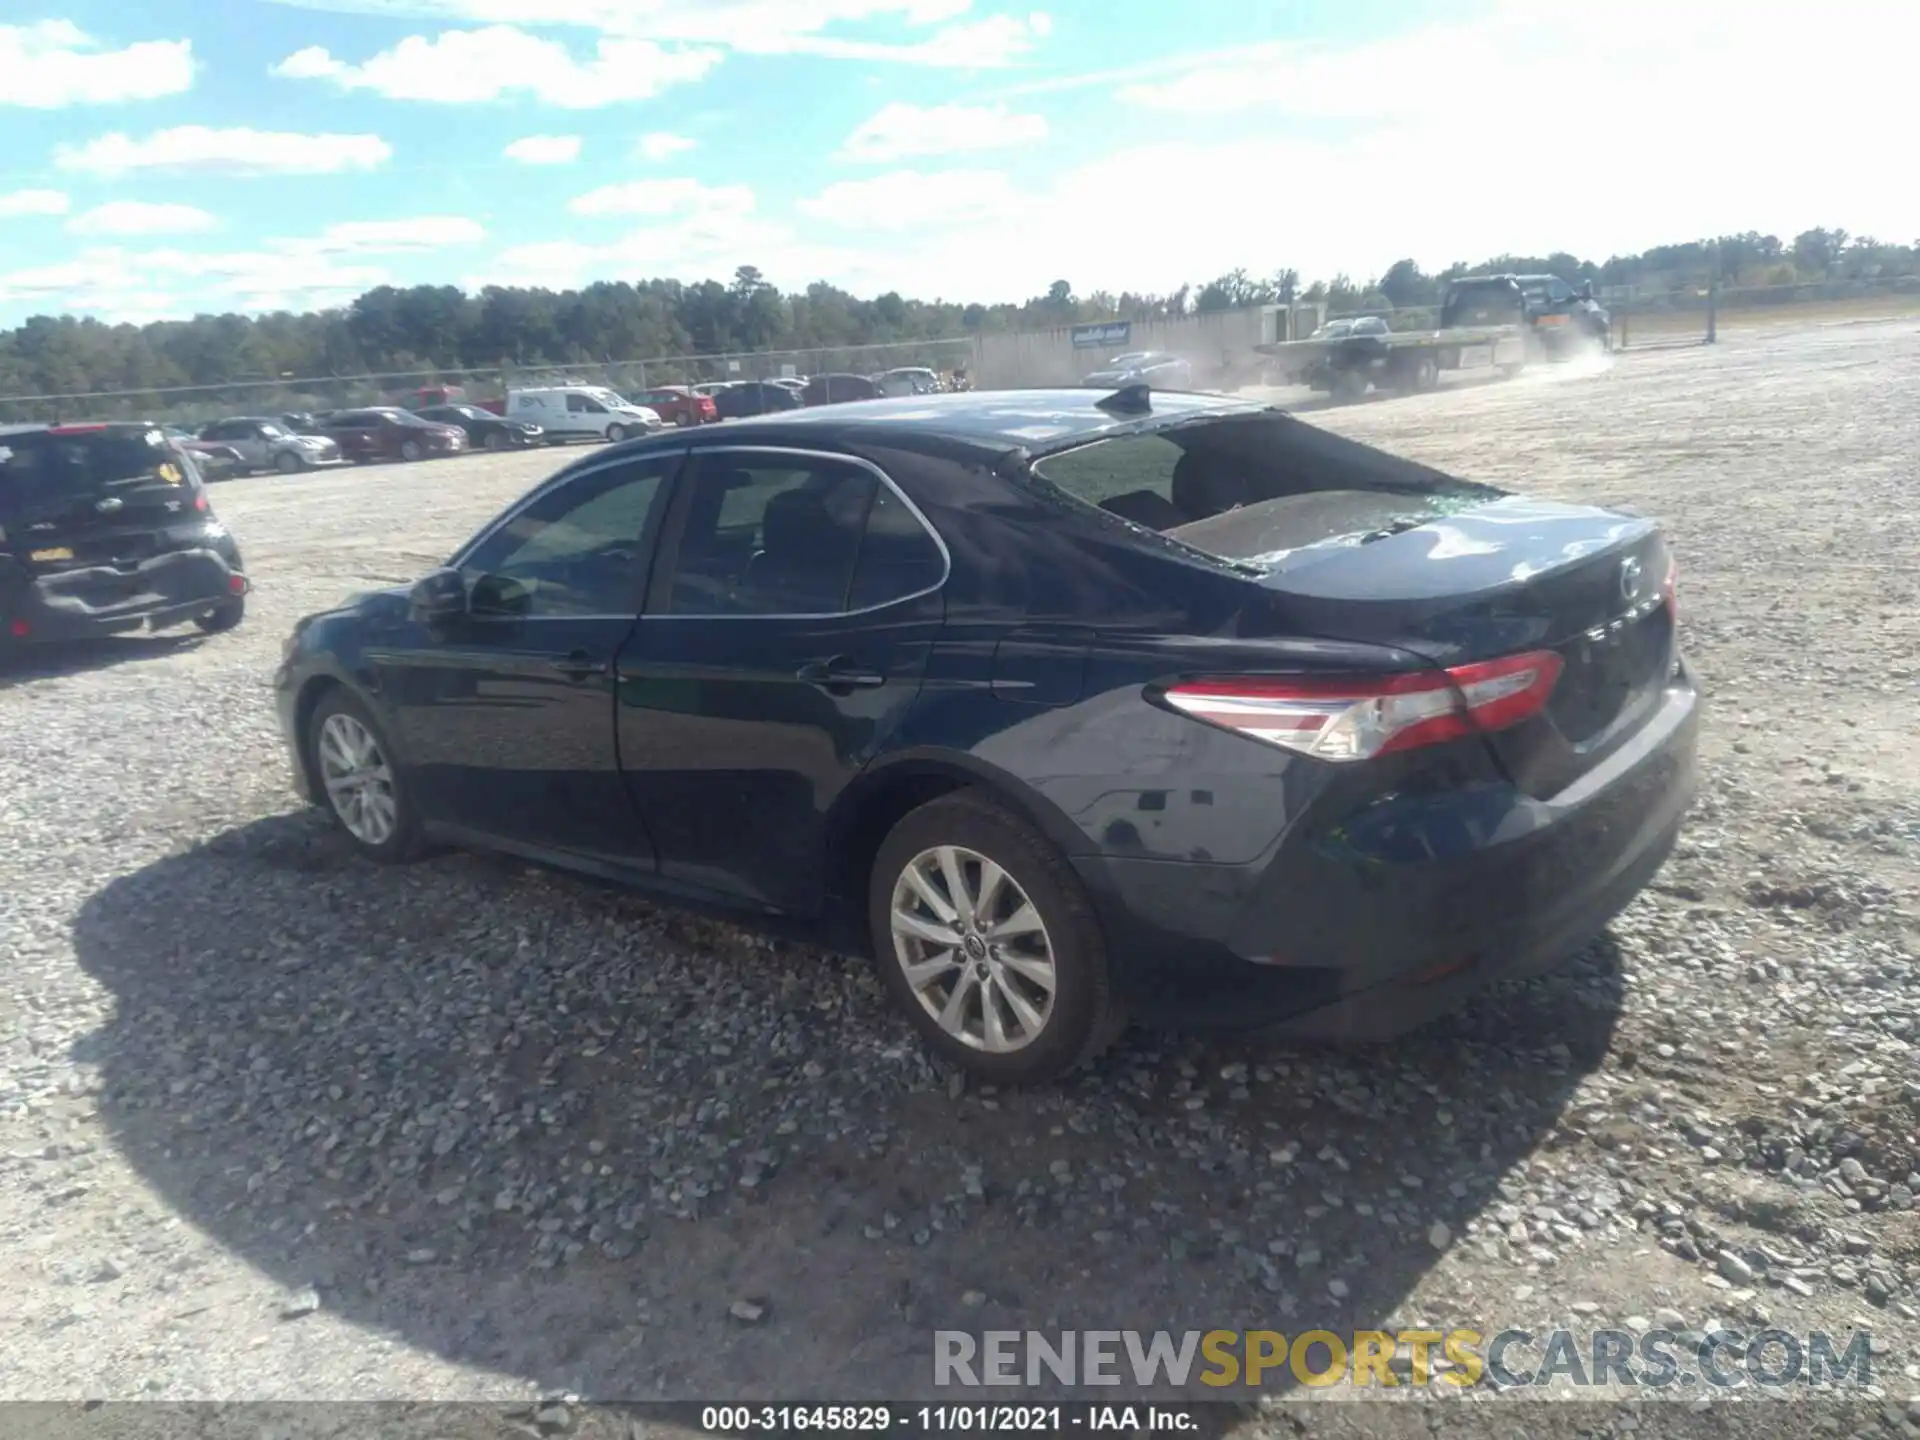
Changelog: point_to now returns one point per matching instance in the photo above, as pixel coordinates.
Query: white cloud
(661, 145)
(54, 63)
(466, 67)
(198, 149)
(901, 131)
(989, 44)
(34, 202)
(544, 150)
(907, 200)
(663, 197)
(387, 237)
(758, 27)
(140, 217)
(117, 284)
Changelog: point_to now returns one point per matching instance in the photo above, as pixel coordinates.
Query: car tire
(288, 463)
(1058, 937)
(225, 616)
(1349, 387)
(495, 441)
(411, 450)
(616, 433)
(337, 731)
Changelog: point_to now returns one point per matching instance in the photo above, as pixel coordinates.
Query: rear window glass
(1253, 489)
(39, 470)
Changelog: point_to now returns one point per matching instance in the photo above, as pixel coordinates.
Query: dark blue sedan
(1068, 709)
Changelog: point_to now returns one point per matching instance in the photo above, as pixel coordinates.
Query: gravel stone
(232, 1056)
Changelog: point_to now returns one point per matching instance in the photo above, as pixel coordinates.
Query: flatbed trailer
(1489, 322)
(1407, 361)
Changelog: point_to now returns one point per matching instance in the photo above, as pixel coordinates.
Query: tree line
(425, 328)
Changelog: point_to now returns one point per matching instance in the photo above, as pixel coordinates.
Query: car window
(1559, 291)
(43, 472)
(898, 555)
(574, 551)
(1131, 477)
(771, 535)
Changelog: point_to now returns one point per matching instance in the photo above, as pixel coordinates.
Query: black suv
(105, 528)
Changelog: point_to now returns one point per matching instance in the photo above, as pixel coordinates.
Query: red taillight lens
(20, 629)
(200, 503)
(1360, 717)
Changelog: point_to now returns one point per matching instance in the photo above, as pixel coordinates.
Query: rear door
(786, 633)
(80, 496)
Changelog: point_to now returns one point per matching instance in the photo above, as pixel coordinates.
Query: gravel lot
(276, 1124)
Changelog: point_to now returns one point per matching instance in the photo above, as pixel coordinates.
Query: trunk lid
(1479, 581)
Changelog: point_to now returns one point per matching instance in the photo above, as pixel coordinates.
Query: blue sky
(163, 158)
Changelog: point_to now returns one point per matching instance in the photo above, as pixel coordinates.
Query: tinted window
(771, 535)
(43, 474)
(898, 557)
(576, 550)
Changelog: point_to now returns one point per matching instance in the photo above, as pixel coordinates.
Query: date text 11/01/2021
(938, 1419)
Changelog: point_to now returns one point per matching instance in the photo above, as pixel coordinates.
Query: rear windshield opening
(1255, 489)
(41, 471)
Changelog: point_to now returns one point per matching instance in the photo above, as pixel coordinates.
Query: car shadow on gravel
(80, 656)
(555, 1132)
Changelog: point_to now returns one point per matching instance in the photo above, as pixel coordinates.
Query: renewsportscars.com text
(1507, 1359)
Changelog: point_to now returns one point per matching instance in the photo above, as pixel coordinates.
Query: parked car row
(441, 421)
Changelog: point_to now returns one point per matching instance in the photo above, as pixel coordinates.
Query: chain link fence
(197, 405)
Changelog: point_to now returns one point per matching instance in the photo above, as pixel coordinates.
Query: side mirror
(439, 596)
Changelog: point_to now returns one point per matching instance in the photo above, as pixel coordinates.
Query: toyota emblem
(1629, 579)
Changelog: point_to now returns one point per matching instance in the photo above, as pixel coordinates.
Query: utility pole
(1713, 296)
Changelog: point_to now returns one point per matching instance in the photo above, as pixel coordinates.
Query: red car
(677, 405)
(387, 433)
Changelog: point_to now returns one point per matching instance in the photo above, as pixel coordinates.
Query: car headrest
(1204, 486)
(798, 524)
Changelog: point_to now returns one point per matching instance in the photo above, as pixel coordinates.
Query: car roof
(38, 427)
(988, 422)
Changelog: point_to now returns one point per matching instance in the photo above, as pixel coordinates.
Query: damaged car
(106, 528)
(1066, 710)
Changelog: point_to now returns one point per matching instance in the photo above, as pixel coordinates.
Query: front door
(786, 633)
(506, 717)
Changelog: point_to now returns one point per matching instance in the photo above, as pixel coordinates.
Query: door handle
(839, 675)
(580, 666)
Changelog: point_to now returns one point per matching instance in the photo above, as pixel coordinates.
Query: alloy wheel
(358, 780)
(973, 949)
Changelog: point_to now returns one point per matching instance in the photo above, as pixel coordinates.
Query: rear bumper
(1408, 910)
(101, 600)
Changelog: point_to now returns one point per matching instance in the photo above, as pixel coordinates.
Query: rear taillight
(200, 503)
(1670, 591)
(1356, 718)
(20, 629)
